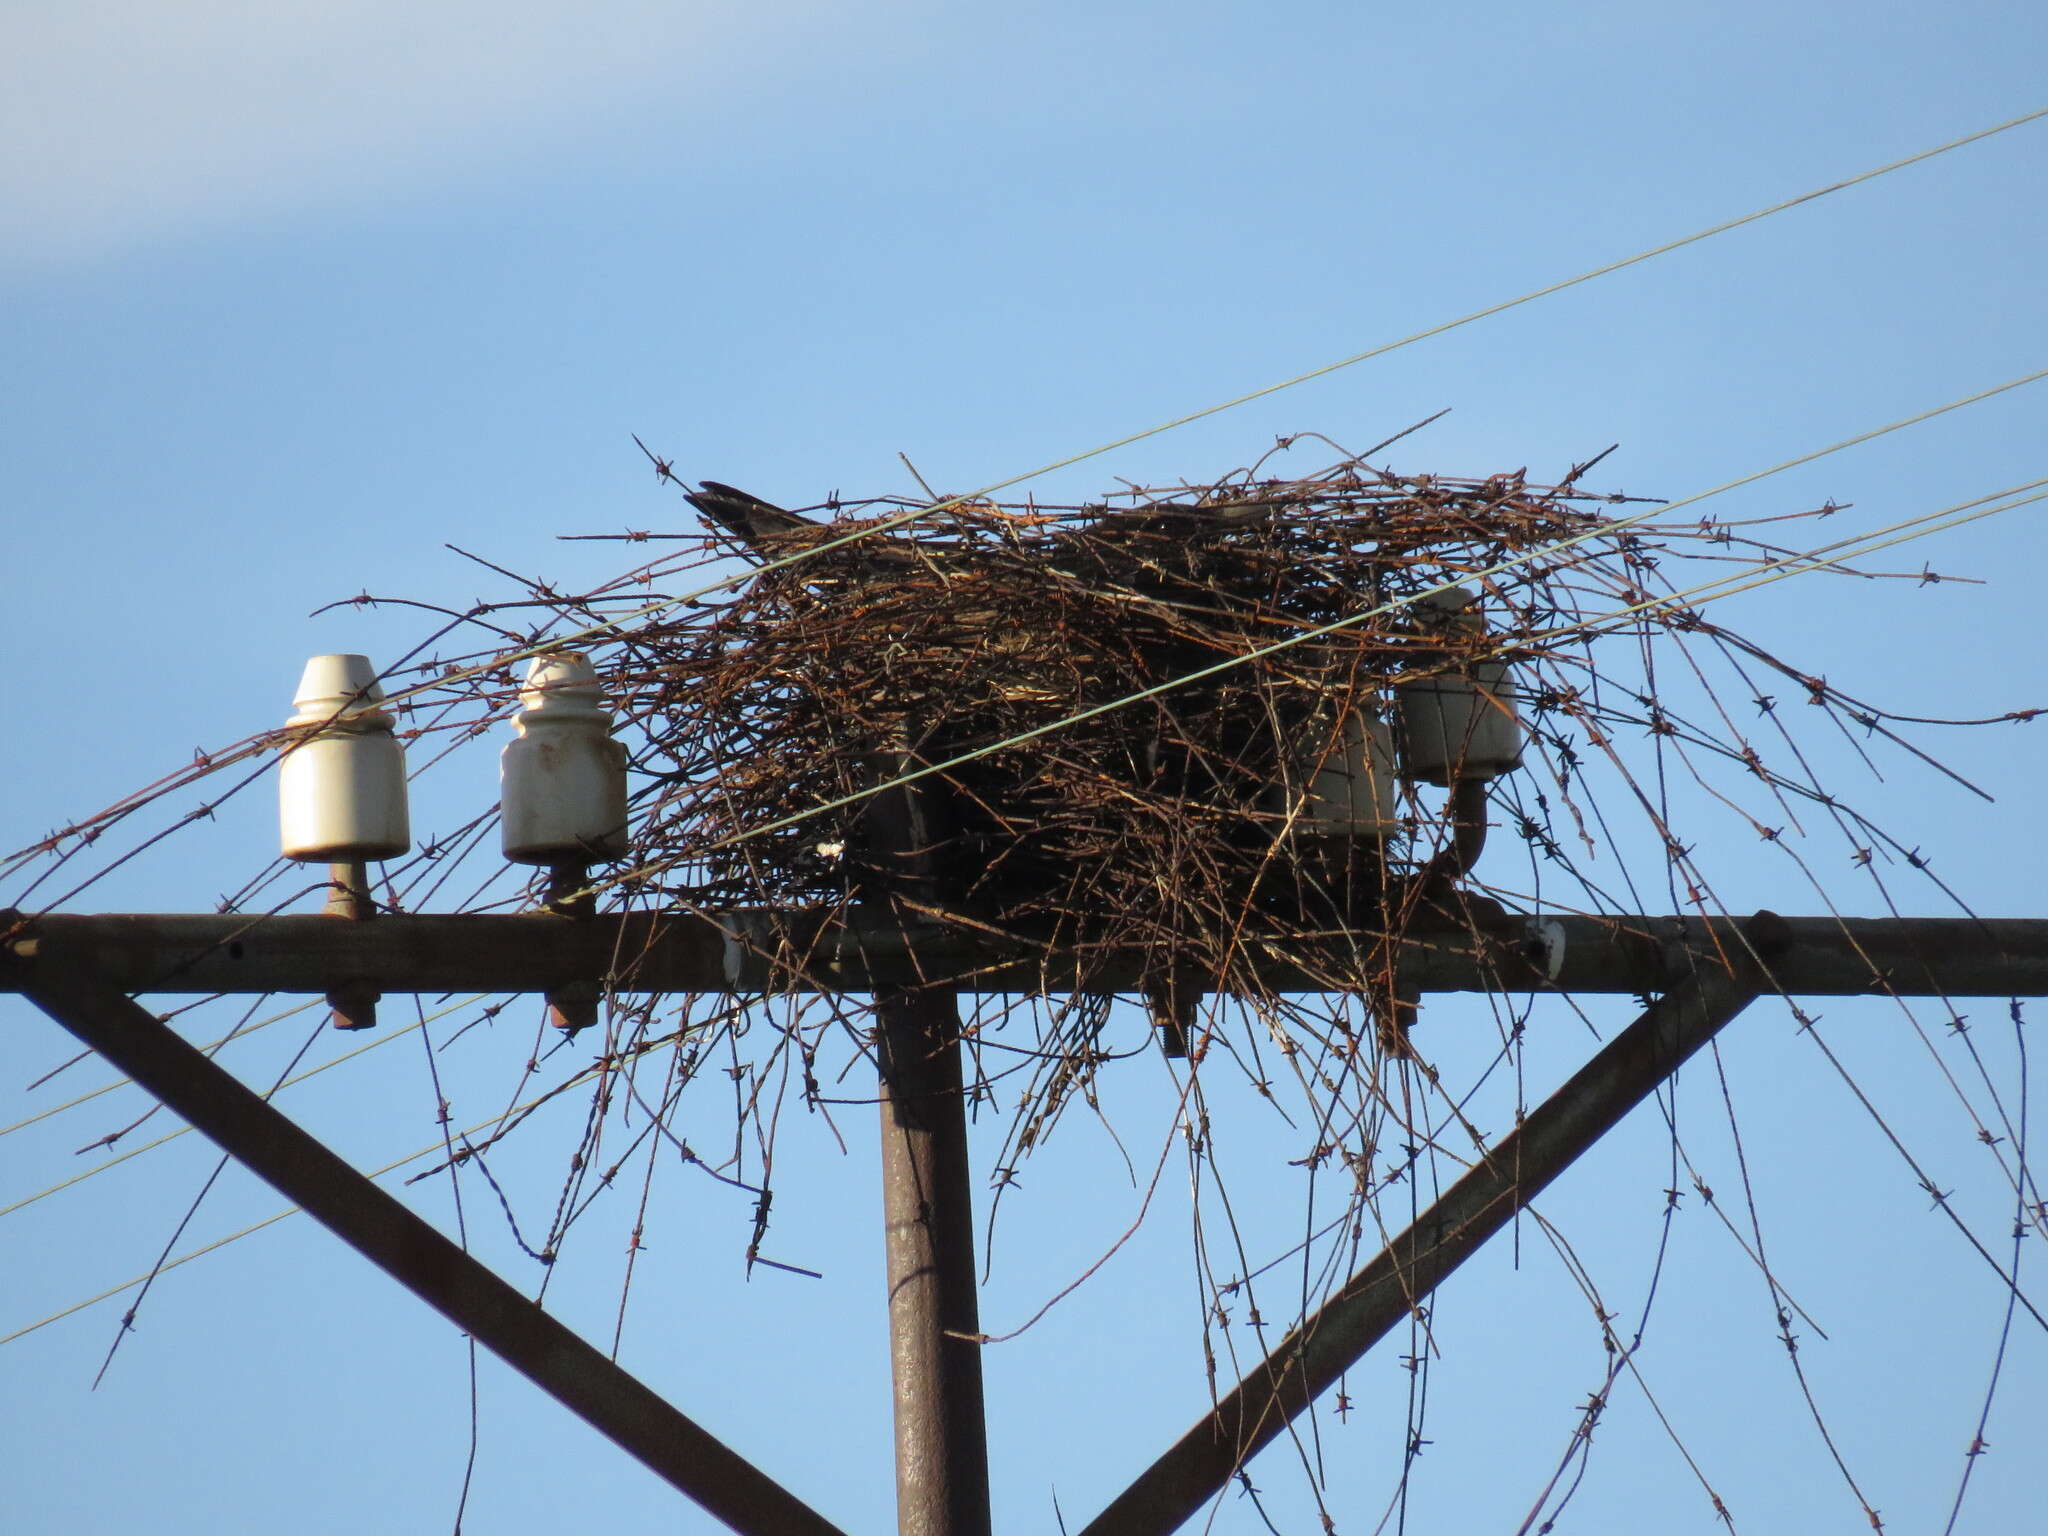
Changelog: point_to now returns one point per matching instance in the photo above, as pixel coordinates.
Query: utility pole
(970, 632)
(77, 967)
(928, 1214)
(934, 1319)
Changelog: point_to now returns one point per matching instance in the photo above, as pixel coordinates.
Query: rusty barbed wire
(1183, 828)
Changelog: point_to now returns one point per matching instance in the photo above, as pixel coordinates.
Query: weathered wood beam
(859, 951)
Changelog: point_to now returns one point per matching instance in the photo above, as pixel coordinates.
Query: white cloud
(124, 120)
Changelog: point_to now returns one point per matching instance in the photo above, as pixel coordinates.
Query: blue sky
(291, 301)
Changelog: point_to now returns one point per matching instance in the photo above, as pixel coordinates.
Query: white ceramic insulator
(1349, 792)
(563, 781)
(341, 781)
(1462, 725)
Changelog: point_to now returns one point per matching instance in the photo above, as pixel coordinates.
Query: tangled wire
(1201, 725)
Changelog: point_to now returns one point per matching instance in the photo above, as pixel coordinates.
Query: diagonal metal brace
(405, 1247)
(1311, 1358)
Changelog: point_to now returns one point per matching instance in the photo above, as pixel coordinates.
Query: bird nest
(1160, 728)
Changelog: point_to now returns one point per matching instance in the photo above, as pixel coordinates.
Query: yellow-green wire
(885, 525)
(122, 1082)
(1798, 564)
(293, 1210)
(115, 1162)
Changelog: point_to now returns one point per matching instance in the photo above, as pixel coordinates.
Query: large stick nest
(1180, 821)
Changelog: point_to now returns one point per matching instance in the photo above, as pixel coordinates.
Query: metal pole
(927, 1212)
(934, 1316)
(418, 1257)
(1311, 1358)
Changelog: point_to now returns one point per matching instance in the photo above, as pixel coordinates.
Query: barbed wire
(1585, 623)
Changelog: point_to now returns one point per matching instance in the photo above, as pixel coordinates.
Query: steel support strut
(1311, 1358)
(409, 1250)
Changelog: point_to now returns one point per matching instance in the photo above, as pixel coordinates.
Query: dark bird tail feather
(756, 523)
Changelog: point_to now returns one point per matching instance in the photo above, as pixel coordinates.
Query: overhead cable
(885, 525)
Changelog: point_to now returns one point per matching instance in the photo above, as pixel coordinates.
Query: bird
(762, 526)
(773, 533)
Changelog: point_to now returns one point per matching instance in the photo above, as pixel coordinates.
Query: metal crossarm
(860, 950)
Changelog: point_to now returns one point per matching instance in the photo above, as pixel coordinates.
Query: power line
(1854, 547)
(121, 1082)
(291, 1082)
(293, 1210)
(612, 625)
(912, 515)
